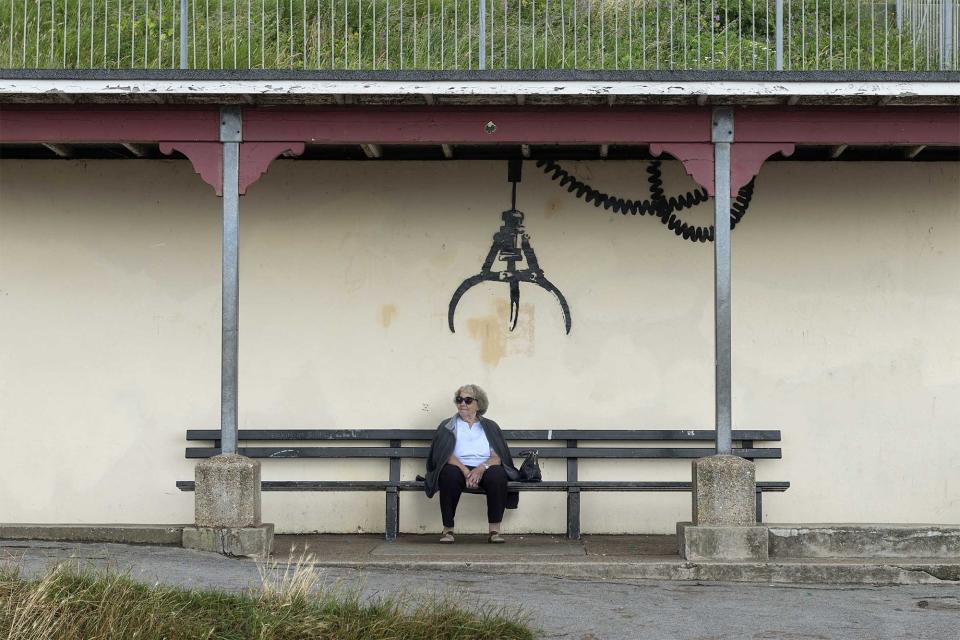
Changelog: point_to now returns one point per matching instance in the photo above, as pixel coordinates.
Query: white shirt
(472, 446)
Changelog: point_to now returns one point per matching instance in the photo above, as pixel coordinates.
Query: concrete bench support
(227, 508)
(724, 523)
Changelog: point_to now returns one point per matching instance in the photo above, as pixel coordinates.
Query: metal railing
(481, 34)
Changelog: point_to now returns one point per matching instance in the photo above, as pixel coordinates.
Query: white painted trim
(136, 149)
(372, 151)
(62, 150)
(913, 151)
(440, 88)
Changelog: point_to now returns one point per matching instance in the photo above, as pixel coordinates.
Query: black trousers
(452, 484)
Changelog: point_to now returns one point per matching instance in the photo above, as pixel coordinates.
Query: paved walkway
(571, 609)
(604, 557)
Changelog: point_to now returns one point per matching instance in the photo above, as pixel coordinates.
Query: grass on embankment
(67, 604)
(443, 34)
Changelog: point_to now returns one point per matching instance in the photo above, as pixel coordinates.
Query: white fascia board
(477, 88)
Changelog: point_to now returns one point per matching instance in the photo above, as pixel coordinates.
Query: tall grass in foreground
(69, 604)
(443, 34)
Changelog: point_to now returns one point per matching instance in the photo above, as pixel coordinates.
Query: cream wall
(845, 305)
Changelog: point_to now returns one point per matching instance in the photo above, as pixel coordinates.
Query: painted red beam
(858, 126)
(472, 126)
(433, 125)
(108, 123)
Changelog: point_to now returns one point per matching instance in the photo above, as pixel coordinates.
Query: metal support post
(946, 21)
(779, 35)
(573, 496)
(482, 38)
(183, 35)
(722, 138)
(392, 525)
(231, 134)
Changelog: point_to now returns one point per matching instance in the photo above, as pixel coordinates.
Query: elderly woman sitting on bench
(468, 452)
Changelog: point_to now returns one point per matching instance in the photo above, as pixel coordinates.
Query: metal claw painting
(511, 244)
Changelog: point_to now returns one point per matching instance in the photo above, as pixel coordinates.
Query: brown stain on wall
(552, 208)
(387, 313)
(496, 341)
(521, 342)
(490, 333)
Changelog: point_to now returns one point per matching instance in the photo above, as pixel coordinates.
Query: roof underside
(464, 152)
(515, 89)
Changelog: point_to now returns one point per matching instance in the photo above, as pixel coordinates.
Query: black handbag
(530, 469)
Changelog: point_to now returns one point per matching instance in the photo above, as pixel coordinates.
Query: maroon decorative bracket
(746, 158)
(255, 159)
(696, 158)
(206, 158)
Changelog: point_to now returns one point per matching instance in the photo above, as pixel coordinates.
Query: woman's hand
(473, 477)
(455, 461)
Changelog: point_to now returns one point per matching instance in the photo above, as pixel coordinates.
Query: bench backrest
(567, 443)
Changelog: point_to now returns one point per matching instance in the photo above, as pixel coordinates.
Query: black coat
(441, 448)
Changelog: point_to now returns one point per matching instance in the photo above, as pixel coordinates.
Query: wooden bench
(565, 444)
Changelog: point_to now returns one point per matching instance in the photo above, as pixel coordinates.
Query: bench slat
(413, 485)
(316, 434)
(315, 452)
(309, 485)
(694, 435)
(422, 452)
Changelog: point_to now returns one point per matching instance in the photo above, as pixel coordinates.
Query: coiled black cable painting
(658, 205)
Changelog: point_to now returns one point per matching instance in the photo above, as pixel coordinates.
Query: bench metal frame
(562, 444)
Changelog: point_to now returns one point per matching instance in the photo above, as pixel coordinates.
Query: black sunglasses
(466, 401)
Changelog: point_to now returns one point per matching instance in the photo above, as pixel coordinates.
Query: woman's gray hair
(478, 394)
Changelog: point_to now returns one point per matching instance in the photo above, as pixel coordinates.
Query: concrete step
(598, 557)
(595, 557)
(822, 571)
(121, 533)
(864, 541)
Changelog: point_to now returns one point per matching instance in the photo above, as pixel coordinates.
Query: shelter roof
(463, 88)
(513, 89)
